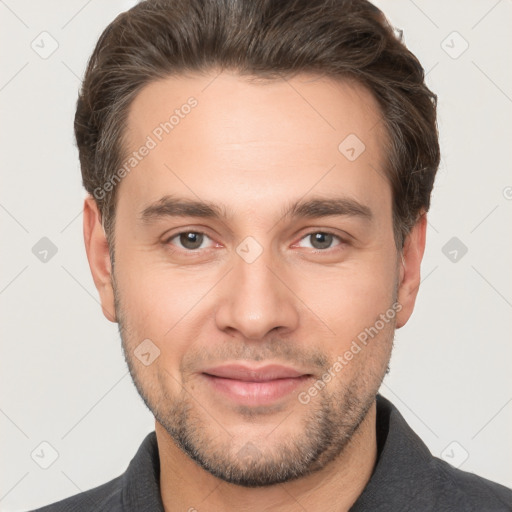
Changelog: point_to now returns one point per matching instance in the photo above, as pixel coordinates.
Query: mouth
(255, 385)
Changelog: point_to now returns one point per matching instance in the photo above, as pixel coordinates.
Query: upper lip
(252, 374)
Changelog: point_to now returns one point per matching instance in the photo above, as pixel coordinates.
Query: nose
(256, 298)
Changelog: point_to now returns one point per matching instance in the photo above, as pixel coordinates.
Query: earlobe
(410, 265)
(96, 246)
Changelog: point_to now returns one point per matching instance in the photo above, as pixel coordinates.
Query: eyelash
(341, 240)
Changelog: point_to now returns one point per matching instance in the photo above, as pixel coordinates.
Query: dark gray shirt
(406, 478)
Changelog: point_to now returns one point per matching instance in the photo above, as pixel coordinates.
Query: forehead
(250, 109)
(227, 137)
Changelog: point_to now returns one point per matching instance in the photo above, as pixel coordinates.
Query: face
(256, 277)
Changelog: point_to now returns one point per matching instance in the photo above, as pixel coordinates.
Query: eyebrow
(172, 206)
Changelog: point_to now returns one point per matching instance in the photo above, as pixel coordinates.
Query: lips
(248, 374)
(252, 385)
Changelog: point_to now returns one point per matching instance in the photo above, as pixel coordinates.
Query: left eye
(321, 240)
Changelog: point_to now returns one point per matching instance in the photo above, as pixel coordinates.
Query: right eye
(189, 240)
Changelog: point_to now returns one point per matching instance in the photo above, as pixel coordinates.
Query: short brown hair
(268, 39)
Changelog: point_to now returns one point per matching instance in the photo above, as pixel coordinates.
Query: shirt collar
(402, 461)
(141, 481)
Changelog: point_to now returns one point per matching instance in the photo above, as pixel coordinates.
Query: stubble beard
(328, 424)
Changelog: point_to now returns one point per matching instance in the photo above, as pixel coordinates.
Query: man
(259, 175)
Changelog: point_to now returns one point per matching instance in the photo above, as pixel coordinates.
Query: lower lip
(255, 393)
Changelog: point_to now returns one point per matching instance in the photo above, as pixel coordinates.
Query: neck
(186, 486)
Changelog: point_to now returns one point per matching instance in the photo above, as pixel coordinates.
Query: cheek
(161, 303)
(350, 299)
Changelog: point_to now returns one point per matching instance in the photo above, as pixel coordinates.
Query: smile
(255, 386)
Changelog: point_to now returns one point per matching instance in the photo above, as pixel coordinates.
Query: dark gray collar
(141, 480)
(401, 463)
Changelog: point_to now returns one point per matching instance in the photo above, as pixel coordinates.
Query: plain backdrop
(64, 382)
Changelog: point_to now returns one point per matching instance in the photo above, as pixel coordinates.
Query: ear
(96, 246)
(409, 275)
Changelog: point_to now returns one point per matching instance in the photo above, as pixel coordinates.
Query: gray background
(63, 377)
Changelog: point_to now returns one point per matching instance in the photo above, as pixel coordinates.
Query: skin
(254, 148)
